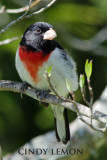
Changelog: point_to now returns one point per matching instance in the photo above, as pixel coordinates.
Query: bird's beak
(49, 35)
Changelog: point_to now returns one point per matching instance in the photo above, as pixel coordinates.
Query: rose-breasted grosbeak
(37, 50)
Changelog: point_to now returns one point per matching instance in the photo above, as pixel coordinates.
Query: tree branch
(89, 123)
(24, 16)
(17, 20)
(82, 137)
(6, 41)
(93, 44)
(52, 99)
(41, 10)
(19, 10)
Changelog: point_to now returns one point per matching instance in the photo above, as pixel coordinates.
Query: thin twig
(24, 16)
(90, 91)
(93, 44)
(6, 41)
(75, 105)
(84, 97)
(17, 20)
(73, 95)
(41, 10)
(62, 98)
(51, 86)
(91, 126)
(91, 98)
(19, 10)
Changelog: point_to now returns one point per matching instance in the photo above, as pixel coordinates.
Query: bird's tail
(61, 124)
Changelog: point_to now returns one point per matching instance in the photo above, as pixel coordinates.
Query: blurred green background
(76, 22)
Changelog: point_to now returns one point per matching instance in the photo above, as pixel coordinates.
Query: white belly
(60, 71)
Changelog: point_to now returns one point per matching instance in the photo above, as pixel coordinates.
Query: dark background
(21, 120)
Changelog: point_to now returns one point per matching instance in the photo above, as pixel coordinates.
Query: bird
(38, 50)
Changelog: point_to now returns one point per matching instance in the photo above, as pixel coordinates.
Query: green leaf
(68, 84)
(48, 70)
(88, 68)
(82, 81)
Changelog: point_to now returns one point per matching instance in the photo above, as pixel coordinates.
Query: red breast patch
(32, 61)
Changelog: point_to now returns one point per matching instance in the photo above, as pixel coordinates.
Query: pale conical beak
(49, 35)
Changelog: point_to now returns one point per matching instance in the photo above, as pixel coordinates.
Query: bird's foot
(24, 86)
(41, 94)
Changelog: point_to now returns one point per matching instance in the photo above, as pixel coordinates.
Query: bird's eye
(38, 30)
